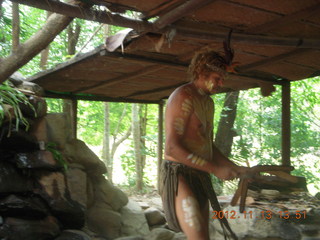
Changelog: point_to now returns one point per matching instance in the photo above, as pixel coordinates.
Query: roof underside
(274, 42)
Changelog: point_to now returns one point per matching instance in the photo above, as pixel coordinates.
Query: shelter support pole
(160, 141)
(74, 112)
(286, 124)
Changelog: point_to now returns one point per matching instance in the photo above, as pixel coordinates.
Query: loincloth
(199, 183)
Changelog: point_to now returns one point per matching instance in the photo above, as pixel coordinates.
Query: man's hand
(229, 172)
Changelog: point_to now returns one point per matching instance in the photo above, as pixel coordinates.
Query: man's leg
(192, 219)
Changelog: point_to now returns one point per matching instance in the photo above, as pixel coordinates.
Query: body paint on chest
(191, 212)
(197, 160)
(186, 107)
(179, 126)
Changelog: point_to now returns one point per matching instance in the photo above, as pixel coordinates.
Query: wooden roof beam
(252, 39)
(88, 14)
(285, 20)
(179, 12)
(162, 8)
(126, 77)
(272, 60)
(67, 95)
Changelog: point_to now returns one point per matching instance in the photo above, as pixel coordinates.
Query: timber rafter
(144, 26)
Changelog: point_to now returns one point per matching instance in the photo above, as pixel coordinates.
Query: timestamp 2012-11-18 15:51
(263, 214)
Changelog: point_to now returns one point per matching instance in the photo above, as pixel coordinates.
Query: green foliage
(54, 105)
(52, 147)
(13, 97)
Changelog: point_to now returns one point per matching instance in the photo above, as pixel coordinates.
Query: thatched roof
(274, 41)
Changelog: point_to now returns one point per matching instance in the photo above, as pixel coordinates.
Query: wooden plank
(126, 77)
(179, 12)
(252, 39)
(285, 20)
(162, 8)
(272, 60)
(90, 97)
(74, 114)
(137, 58)
(160, 141)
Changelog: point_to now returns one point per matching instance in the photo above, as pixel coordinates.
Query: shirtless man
(189, 150)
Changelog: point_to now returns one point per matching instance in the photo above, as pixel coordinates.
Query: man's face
(212, 82)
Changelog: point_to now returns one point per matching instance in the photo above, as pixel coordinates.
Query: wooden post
(286, 128)
(74, 108)
(160, 141)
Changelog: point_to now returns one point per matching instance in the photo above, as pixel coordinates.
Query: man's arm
(224, 167)
(178, 112)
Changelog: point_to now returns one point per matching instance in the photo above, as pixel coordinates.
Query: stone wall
(54, 187)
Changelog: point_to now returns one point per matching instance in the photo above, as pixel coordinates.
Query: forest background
(125, 135)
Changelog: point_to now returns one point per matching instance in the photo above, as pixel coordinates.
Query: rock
(54, 190)
(12, 180)
(17, 141)
(143, 205)
(76, 151)
(77, 183)
(90, 192)
(36, 109)
(20, 206)
(154, 216)
(30, 88)
(130, 238)
(133, 219)
(73, 235)
(160, 233)
(106, 192)
(104, 221)
(53, 128)
(17, 229)
(182, 236)
(37, 159)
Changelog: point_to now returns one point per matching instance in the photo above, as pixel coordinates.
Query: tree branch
(116, 144)
(88, 14)
(35, 44)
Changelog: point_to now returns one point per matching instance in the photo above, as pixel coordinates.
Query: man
(190, 153)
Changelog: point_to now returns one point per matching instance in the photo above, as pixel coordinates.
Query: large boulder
(154, 216)
(76, 151)
(38, 159)
(160, 233)
(134, 221)
(77, 184)
(105, 192)
(52, 187)
(21, 205)
(53, 127)
(17, 229)
(73, 235)
(13, 180)
(104, 221)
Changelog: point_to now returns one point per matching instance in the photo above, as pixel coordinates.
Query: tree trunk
(73, 37)
(34, 45)
(225, 132)
(143, 130)
(106, 142)
(137, 148)
(45, 52)
(15, 27)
